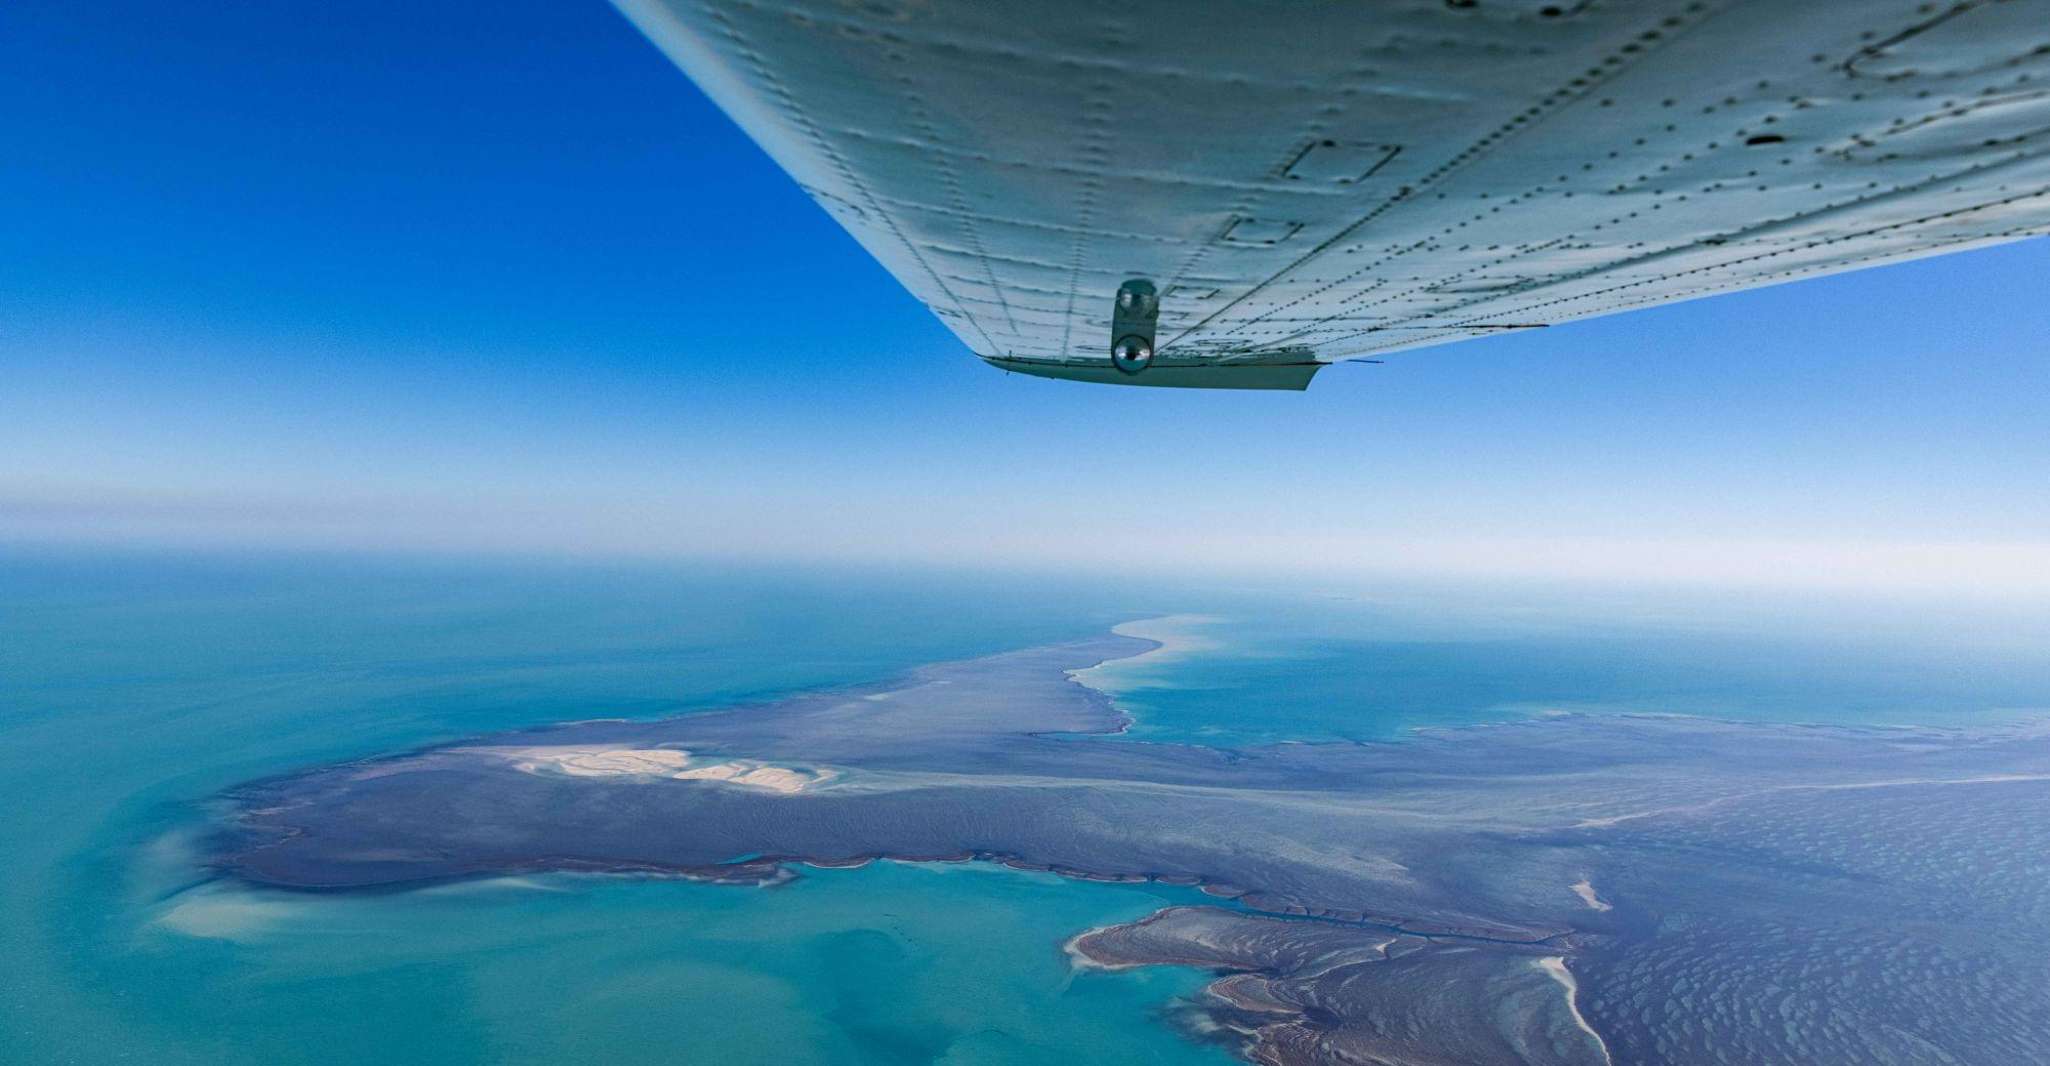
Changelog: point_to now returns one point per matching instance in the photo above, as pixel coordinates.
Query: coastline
(1172, 640)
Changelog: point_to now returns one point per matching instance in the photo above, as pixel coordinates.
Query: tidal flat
(1571, 888)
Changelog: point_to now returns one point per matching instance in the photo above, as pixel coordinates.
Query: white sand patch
(757, 775)
(490, 885)
(1179, 637)
(1174, 633)
(218, 914)
(1555, 965)
(584, 762)
(672, 764)
(1080, 960)
(1584, 888)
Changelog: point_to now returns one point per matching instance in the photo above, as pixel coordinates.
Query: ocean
(136, 687)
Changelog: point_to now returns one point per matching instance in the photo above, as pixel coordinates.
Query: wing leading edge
(1299, 183)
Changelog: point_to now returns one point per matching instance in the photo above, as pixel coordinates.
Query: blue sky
(389, 275)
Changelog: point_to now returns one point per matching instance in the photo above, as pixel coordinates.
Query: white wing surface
(1289, 184)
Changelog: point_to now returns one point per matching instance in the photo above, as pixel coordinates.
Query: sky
(395, 276)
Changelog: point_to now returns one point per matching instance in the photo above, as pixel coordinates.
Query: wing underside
(1302, 183)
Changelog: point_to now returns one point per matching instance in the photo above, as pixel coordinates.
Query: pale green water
(133, 688)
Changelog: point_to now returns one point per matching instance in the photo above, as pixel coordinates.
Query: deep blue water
(134, 687)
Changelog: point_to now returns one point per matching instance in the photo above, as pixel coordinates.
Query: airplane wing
(1236, 193)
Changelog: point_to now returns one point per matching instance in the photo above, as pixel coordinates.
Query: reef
(1571, 889)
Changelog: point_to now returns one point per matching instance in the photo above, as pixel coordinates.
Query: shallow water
(885, 964)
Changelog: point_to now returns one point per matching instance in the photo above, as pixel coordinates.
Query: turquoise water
(133, 687)
(887, 964)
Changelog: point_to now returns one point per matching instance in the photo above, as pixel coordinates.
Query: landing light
(1131, 354)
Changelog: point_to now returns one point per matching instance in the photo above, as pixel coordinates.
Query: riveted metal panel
(1318, 181)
